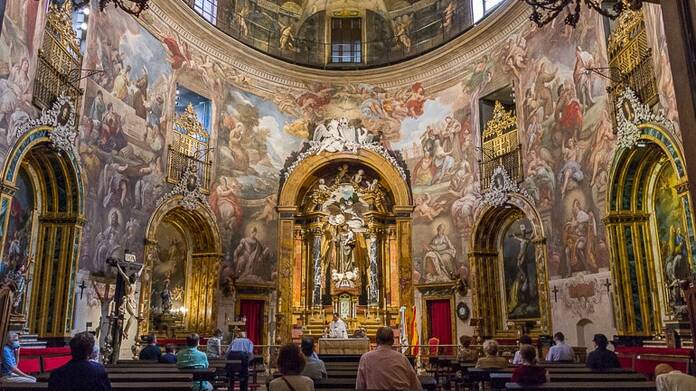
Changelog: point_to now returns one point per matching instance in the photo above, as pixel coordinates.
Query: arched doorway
(650, 228)
(182, 258)
(360, 197)
(42, 215)
(508, 268)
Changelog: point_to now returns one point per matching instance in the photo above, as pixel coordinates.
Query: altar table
(344, 345)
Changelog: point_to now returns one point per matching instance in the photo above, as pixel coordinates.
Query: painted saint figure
(250, 256)
(520, 291)
(439, 257)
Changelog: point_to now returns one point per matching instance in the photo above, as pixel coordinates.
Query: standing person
(560, 352)
(669, 379)
(191, 357)
(524, 340)
(529, 372)
(385, 368)
(80, 374)
(337, 327)
(10, 372)
(491, 360)
(314, 368)
(151, 351)
(169, 357)
(214, 346)
(290, 364)
(241, 348)
(601, 358)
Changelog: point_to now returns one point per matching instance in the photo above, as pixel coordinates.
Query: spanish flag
(413, 333)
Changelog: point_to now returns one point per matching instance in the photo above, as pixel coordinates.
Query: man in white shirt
(669, 379)
(560, 351)
(337, 328)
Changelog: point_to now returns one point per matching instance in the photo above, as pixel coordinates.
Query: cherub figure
(427, 208)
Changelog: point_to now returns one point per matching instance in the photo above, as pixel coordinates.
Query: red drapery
(440, 319)
(253, 310)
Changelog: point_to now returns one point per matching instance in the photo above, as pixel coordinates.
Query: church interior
(452, 172)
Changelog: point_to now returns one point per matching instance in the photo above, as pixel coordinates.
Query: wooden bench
(498, 380)
(137, 377)
(566, 386)
(149, 386)
(428, 383)
(483, 375)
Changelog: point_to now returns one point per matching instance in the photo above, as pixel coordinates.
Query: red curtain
(440, 319)
(253, 310)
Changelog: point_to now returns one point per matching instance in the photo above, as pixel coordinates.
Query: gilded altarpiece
(651, 232)
(345, 241)
(509, 271)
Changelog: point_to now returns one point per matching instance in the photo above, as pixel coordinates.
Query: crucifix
(82, 287)
(607, 284)
(555, 291)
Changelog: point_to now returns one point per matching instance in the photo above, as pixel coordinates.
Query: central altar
(344, 346)
(345, 233)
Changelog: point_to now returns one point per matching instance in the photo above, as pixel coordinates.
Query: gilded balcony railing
(501, 147)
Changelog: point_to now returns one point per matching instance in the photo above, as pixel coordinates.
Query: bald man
(669, 379)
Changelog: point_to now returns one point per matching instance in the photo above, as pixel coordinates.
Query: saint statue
(166, 297)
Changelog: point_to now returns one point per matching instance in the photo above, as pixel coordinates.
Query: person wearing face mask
(8, 368)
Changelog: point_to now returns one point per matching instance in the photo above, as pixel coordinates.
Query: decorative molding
(61, 119)
(339, 136)
(501, 186)
(190, 189)
(630, 113)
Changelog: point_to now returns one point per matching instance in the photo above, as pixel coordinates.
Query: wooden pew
(498, 380)
(565, 386)
(428, 383)
(137, 377)
(141, 386)
(483, 375)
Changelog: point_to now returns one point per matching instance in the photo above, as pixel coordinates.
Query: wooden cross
(555, 291)
(82, 287)
(607, 284)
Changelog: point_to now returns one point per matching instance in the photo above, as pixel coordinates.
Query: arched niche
(503, 256)
(198, 254)
(650, 230)
(302, 230)
(41, 233)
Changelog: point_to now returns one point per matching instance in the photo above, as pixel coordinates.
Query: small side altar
(344, 345)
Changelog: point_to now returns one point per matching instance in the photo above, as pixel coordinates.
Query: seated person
(191, 357)
(169, 356)
(151, 351)
(385, 368)
(80, 374)
(560, 352)
(669, 379)
(524, 340)
(241, 348)
(466, 354)
(290, 365)
(491, 360)
(528, 372)
(214, 347)
(314, 368)
(601, 358)
(10, 372)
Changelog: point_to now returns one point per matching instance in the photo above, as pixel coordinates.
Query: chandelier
(133, 7)
(545, 11)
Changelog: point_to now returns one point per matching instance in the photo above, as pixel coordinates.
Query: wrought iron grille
(60, 61)
(189, 147)
(501, 147)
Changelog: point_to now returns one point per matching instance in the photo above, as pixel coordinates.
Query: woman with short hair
(291, 363)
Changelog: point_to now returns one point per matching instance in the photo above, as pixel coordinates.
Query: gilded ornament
(630, 113)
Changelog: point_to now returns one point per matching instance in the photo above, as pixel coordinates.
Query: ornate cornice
(436, 69)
